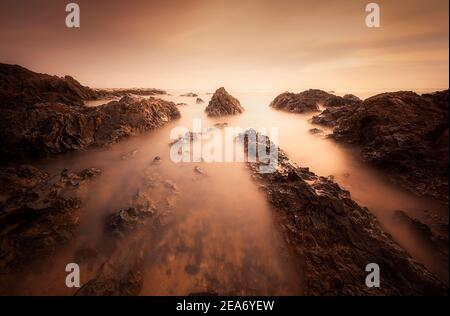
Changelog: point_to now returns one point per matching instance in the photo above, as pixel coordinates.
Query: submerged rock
(199, 101)
(315, 131)
(333, 238)
(222, 103)
(38, 213)
(190, 94)
(53, 128)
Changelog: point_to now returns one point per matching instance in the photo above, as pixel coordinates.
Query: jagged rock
(306, 101)
(222, 103)
(39, 213)
(331, 116)
(334, 238)
(53, 128)
(190, 94)
(390, 129)
(21, 87)
(199, 101)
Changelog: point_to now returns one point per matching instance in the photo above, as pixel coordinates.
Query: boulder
(306, 101)
(222, 103)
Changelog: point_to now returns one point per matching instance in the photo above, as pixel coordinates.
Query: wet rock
(127, 220)
(392, 135)
(315, 131)
(333, 238)
(222, 103)
(34, 223)
(190, 94)
(53, 128)
(306, 101)
(332, 116)
(199, 101)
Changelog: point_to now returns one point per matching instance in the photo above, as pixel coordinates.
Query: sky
(240, 44)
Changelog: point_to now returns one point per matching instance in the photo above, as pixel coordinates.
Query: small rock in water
(221, 125)
(198, 170)
(315, 131)
(199, 100)
(129, 154)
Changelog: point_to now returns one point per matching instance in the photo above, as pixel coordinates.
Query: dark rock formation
(20, 87)
(131, 91)
(404, 133)
(222, 103)
(190, 94)
(306, 101)
(199, 101)
(315, 131)
(334, 238)
(332, 115)
(53, 128)
(38, 213)
(348, 99)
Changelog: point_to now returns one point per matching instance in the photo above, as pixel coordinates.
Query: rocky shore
(333, 238)
(403, 133)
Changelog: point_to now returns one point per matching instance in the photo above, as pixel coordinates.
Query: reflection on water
(220, 237)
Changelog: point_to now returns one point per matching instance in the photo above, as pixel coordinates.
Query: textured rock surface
(53, 128)
(222, 103)
(348, 99)
(403, 133)
(306, 101)
(20, 87)
(334, 238)
(38, 213)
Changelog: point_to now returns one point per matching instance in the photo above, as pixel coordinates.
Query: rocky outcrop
(20, 87)
(333, 238)
(332, 115)
(54, 128)
(131, 91)
(306, 101)
(38, 213)
(403, 133)
(222, 103)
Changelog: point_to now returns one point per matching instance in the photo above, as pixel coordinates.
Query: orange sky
(240, 44)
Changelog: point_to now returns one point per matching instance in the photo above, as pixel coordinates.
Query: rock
(132, 91)
(222, 103)
(190, 94)
(129, 155)
(40, 213)
(21, 88)
(54, 128)
(306, 101)
(331, 116)
(221, 125)
(182, 104)
(198, 170)
(199, 101)
(392, 135)
(315, 131)
(348, 99)
(333, 238)
(127, 220)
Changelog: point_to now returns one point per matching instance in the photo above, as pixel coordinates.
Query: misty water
(220, 234)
